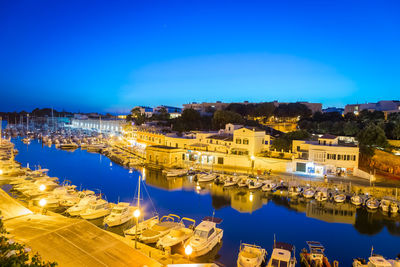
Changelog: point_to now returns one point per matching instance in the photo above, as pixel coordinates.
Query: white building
(99, 125)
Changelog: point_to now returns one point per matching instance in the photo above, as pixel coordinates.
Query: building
(99, 125)
(387, 107)
(148, 111)
(325, 156)
(333, 109)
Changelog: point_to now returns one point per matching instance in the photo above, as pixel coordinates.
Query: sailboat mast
(138, 200)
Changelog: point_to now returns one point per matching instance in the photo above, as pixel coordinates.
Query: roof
(205, 226)
(256, 129)
(280, 254)
(163, 147)
(224, 137)
(199, 145)
(283, 245)
(328, 136)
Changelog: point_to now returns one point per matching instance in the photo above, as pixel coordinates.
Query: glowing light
(42, 202)
(136, 213)
(253, 158)
(188, 250)
(1, 172)
(42, 187)
(251, 197)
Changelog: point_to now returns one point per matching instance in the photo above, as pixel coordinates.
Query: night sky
(109, 56)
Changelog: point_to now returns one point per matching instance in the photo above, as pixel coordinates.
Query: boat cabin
(101, 204)
(207, 228)
(120, 208)
(378, 261)
(282, 255)
(316, 250)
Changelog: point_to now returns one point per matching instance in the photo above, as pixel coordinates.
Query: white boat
(120, 214)
(321, 195)
(339, 198)
(385, 205)
(356, 200)
(98, 209)
(242, 182)
(144, 225)
(206, 236)
(372, 203)
(294, 191)
(254, 184)
(175, 172)
(206, 177)
(177, 236)
(375, 261)
(230, 181)
(251, 255)
(75, 198)
(85, 202)
(268, 186)
(309, 193)
(283, 254)
(166, 224)
(394, 208)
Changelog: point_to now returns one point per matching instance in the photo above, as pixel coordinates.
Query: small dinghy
(230, 181)
(250, 255)
(254, 184)
(206, 177)
(372, 203)
(309, 193)
(385, 205)
(339, 198)
(177, 236)
(356, 200)
(166, 224)
(321, 195)
(268, 186)
(175, 172)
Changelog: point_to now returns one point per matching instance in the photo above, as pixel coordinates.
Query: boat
(254, 184)
(321, 195)
(339, 198)
(372, 203)
(375, 261)
(98, 209)
(82, 205)
(26, 140)
(144, 225)
(314, 256)
(294, 191)
(230, 181)
(283, 254)
(120, 214)
(160, 229)
(394, 208)
(206, 236)
(268, 186)
(177, 236)
(76, 198)
(309, 193)
(242, 182)
(206, 177)
(175, 172)
(385, 205)
(356, 200)
(251, 255)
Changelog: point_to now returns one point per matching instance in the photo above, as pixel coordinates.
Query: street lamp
(42, 187)
(42, 203)
(188, 250)
(136, 214)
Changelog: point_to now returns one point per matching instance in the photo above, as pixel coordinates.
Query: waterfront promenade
(67, 241)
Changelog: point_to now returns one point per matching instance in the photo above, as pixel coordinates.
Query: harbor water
(250, 217)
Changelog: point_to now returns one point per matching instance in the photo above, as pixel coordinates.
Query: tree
(264, 110)
(15, 254)
(136, 116)
(285, 141)
(350, 128)
(188, 121)
(222, 117)
(396, 131)
(370, 138)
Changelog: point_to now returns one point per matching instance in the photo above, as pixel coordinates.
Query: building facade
(99, 125)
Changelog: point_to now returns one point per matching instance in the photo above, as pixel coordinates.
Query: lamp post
(42, 203)
(136, 214)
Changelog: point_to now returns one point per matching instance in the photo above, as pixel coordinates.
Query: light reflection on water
(251, 217)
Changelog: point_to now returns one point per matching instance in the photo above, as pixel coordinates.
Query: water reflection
(247, 201)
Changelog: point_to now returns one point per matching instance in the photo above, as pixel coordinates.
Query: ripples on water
(251, 217)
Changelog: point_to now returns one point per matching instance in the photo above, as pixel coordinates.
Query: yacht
(356, 200)
(76, 198)
(100, 208)
(268, 186)
(120, 214)
(144, 225)
(160, 229)
(339, 198)
(178, 235)
(83, 204)
(283, 254)
(372, 203)
(314, 256)
(206, 236)
(376, 261)
(251, 256)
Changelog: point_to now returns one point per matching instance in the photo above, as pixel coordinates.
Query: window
(183, 156)
(176, 144)
(211, 232)
(220, 160)
(275, 263)
(245, 141)
(238, 141)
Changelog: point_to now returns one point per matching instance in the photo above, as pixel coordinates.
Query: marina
(242, 209)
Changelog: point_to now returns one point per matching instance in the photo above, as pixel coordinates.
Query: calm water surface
(248, 217)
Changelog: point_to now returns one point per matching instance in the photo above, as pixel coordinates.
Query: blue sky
(113, 55)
